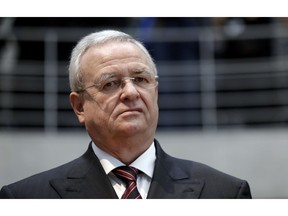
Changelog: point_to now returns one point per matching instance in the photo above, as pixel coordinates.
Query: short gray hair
(97, 39)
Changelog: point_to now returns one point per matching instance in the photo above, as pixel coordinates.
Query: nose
(129, 91)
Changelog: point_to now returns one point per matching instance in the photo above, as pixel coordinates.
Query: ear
(77, 103)
(156, 91)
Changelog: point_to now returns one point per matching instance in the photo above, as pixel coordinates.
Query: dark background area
(214, 72)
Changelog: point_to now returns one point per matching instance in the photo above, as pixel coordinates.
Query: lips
(132, 110)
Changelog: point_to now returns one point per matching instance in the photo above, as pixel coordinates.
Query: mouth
(132, 110)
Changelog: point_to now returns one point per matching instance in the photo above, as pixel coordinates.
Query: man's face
(126, 112)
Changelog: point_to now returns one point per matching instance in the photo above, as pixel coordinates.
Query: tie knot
(126, 173)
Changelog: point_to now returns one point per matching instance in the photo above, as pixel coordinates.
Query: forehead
(110, 57)
(114, 50)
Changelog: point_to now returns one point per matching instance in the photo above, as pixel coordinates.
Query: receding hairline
(99, 46)
(99, 39)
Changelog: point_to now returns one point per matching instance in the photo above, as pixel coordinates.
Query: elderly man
(114, 95)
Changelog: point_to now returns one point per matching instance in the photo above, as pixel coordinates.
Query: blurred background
(223, 93)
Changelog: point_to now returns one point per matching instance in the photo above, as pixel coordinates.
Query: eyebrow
(140, 70)
(109, 75)
(105, 76)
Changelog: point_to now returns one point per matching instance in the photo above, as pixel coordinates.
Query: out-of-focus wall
(215, 74)
(259, 156)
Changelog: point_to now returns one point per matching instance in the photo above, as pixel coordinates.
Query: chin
(132, 129)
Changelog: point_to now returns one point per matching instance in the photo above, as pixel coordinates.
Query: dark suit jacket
(173, 179)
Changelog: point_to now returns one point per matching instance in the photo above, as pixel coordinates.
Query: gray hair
(94, 39)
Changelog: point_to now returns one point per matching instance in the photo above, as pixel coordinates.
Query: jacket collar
(85, 179)
(170, 180)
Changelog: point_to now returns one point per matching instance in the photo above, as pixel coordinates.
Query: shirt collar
(144, 162)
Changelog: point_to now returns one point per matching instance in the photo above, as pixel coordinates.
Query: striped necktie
(128, 175)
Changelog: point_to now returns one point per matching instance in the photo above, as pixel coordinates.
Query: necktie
(129, 176)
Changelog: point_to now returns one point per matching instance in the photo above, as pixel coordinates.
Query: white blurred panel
(258, 156)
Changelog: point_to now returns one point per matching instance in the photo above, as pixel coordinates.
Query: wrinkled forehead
(116, 50)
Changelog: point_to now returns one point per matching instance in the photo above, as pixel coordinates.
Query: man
(114, 94)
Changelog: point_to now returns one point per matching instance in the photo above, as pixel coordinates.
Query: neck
(126, 149)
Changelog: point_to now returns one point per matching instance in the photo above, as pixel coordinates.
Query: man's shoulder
(217, 183)
(193, 168)
(201, 170)
(56, 172)
(40, 182)
(75, 165)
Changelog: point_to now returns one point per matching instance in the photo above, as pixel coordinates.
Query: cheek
(95, 118)
(155, 107)
(108, 105)
(101, 108)
(151, 103)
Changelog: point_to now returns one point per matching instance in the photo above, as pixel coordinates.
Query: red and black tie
(128, 175)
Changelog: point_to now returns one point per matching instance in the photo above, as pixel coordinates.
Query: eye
(110, 85)
(141, 80)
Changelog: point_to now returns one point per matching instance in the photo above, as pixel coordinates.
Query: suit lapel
(170, 179)
(86, 179)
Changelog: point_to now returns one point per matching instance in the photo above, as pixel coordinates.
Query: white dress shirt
(144, 162)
